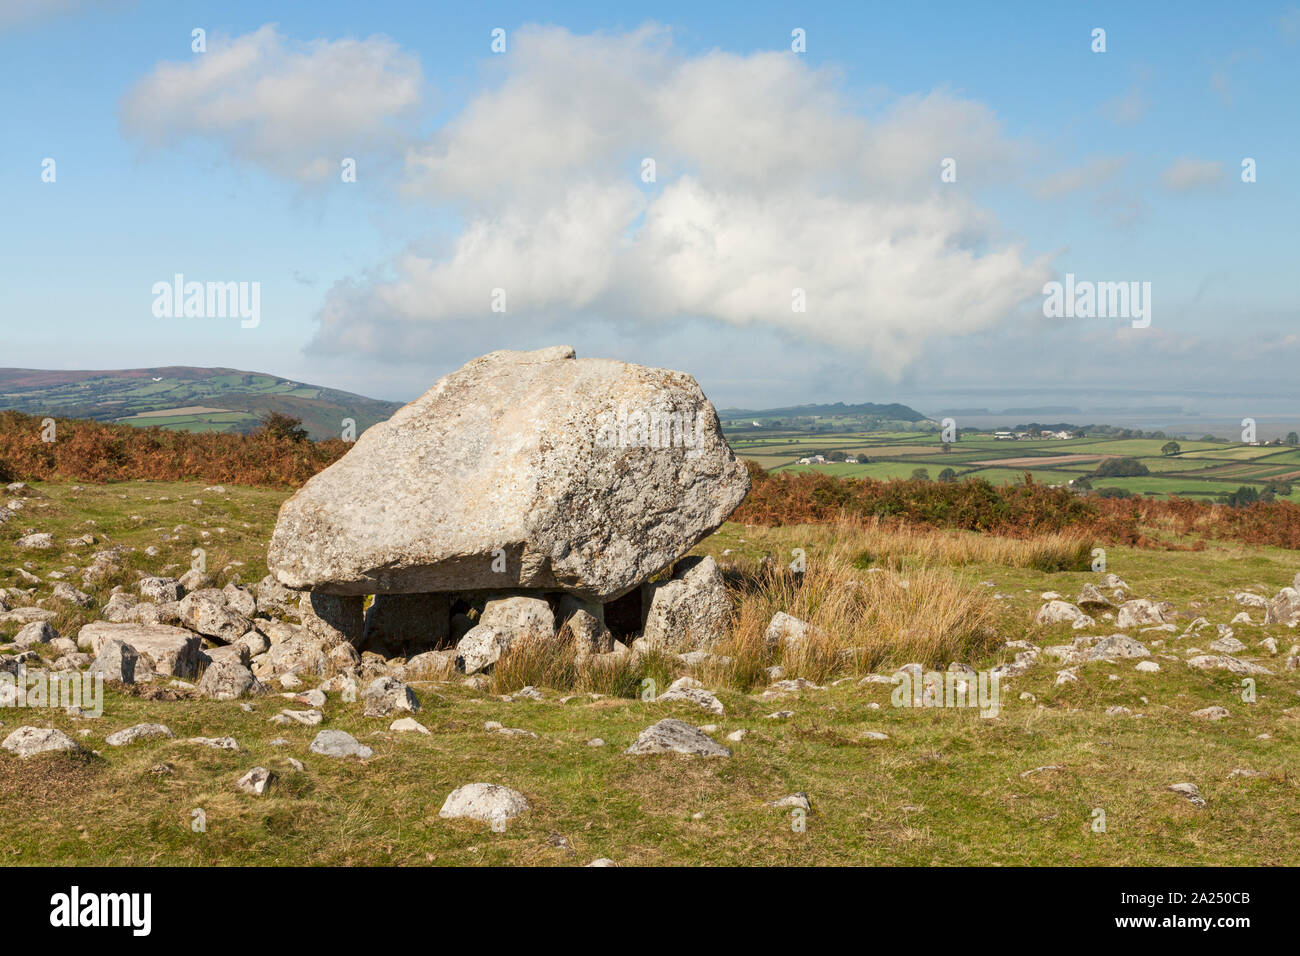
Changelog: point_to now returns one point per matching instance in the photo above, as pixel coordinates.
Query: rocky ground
(1147, 715)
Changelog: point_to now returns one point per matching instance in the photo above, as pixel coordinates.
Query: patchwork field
(886, 784)
(1201, 469)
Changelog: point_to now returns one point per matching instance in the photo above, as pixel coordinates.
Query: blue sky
(776, 169)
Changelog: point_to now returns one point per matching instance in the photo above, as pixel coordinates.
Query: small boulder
(691, 610)
(485, 802)
(227, 680)
(338, 743)
(130, 735)
(676, 736)
(29, 741)
(256, 781)
(386, 696)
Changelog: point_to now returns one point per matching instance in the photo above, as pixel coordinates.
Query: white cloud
(767, 180)
(1091, 174)
(294, 109)
(1189, 175)
(30, 11)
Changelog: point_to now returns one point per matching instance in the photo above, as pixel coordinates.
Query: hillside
(186, 398)
(834, 417)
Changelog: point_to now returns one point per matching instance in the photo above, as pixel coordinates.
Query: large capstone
(533, 470)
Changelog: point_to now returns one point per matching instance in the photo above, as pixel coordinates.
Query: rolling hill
(186, 398)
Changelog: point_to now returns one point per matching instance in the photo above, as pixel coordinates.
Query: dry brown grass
(894, 545)
(916, 608)
(862, 619)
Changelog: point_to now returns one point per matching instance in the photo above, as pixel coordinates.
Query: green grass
(945, 788)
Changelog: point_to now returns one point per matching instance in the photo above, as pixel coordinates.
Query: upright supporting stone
(399, 625)
(334, 618)
(586, 622)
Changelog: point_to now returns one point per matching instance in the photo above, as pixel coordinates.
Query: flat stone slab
(172, 651)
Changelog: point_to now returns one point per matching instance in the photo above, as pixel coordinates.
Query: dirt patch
(45, 779)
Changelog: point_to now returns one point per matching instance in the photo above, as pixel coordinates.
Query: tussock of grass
(888, 544)
(861, 620)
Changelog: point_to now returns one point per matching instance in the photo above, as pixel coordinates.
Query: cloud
(294, 109)
(1128, 108)
(1093, 173)
(29, 11)
(1191, 175)
(766, 180)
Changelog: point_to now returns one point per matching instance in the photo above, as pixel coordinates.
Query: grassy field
(947, 786)
(1201, 469)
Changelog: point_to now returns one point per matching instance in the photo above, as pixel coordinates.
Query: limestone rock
(690, 610)
(119, 661)
(675, 736)
(569, 470)
(130, 735)
(29, 741)
(1117, 646)
(482, 647)
(1190, 792)
(38, 632)
(338, 743)
(786, 629)
(171, 651)
(256, 781)
(1141, 613)
(206, 612)
(682, 689)
(486, 802)
(1057, 612)
(387, 696)
(160, 590)
(1285, 607)
(227, 680)
(586, 622)
(1225, 662)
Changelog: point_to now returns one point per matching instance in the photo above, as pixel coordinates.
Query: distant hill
(186, 398)
(867, 410)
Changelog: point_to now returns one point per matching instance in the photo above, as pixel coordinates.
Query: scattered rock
(795, 800)
(29, 741)
(338, 743)
(1118, 646)
(485, 802)
(685, 688)
(256, 781)
(227, 680)
(387, 696)
(406, 725)
(1190, 792)
(130, 735)
(675, 736)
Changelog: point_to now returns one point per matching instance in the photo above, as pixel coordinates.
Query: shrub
(1121, 468)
